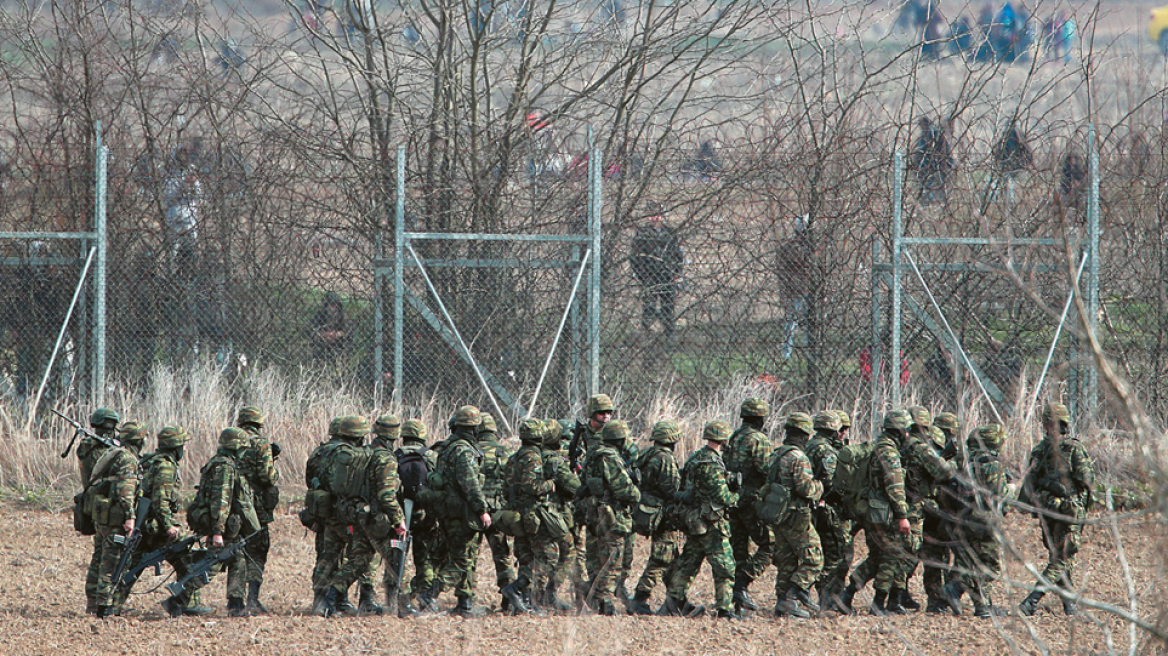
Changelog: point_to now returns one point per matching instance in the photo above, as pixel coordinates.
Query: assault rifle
(155, 559)
(81, 430)
(402, 546)
(210, 561)
(129, 545)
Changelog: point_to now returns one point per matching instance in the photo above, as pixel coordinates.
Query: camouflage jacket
(1060, 478)
(924, 468)
(749, 452)
(526, 483)
(259, 466)
(89, 451)
(384, 483)
(792, 470)
(987, 470)
(117, 468)
(605, 471)
(495, 458)
(557, 470)
(822, 451)
(704, 475)
(161, 484)
(660, 477)
(888, 475)
(460, 467)
(229, 496)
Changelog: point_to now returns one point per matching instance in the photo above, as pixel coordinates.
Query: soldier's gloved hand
(276, 450)
(173, 533)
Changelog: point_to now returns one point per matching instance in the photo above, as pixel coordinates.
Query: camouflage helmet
(921, 416)
(947, 421)
(171, 437)
(413, 430)
(531, 431)
(467, 415)
(232, 438)
(553, 433)
(353, 426)
(845, 419)
(754, 407)
(615, 431)
(565, 429)
(897, 420)
(938, 437)
(104, 418)
(334, 426)
(1056, 412)
(387, 426)
(250, 414)
(600, 403)
(716, 431)
(991, 435)
(827, 421)
(133, 432)
(487, 424)
(799, 421)
(666, 432)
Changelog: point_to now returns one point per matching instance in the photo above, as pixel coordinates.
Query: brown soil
(42, 600)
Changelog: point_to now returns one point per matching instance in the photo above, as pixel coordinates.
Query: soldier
(226, 498)
(113, 486)
(983, 505)
(386, 512)
(162, 484)
(528, 492)
(833, 528)
(586, 434)
(660, 481)
(459, 479)
(630, 453)
(798, 553)
(559, 472)
(495, 456)
(657, 262)
(609, 492)
(328, 553)
(748, 456)
(887, 529)
(1059, 481)
(937, 547)
(104, 422)
(258, 464)
(706, 497)
(413, 458)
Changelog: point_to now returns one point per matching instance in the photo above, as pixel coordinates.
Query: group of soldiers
(561, 514)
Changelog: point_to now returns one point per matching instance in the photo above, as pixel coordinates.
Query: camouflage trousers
(888, 549)
(937, 549)
(462, 555)
(746, 527)
(92, 573)
(664, 549)
(712, 546)
(236, 573)
(1062, 541)
(257, 555)
(835, 536)
(798, 554)
(357, 554)
(500, 555)
(427, 556)
(543, 559)
(979, 561)
(609, 547)
(107, 554)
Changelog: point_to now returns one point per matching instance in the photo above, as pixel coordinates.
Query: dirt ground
(42, 602)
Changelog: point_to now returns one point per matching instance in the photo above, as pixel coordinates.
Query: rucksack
(412, 471)
(348, 471)
(852, 482)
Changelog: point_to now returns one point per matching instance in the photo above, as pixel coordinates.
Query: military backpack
(851, 486)
(348, 471)
(412, 470)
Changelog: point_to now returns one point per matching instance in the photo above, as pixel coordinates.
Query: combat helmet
(172, 437)
(845, 419)
(921, 417)
(600, 403)
(754, 407)
(897, 421)
(553, 433)
(716, 431)
(413, 430)
(334, 426)
(531, 431)
(947, 421)
(799, 421)
(1053, 412)
(665, 432)
(250, 414)
(387, 427)
(487, 424)
(104, 418)
(990, 435)
(467, 415)
(133, 433)
(232, 438)
(353, 426)
(827, 421)
(615, 431)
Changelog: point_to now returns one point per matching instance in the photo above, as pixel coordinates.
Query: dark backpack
(412, 470)
(852, 482)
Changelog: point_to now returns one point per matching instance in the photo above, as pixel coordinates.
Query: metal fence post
(594, 209)
(399, 232)
(874, 348)
(1092, 400)
(99, 227)
(897, 227)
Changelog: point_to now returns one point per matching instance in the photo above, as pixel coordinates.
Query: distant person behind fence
(329, 336)
(932, 160)
(1011, 155)
(1072, 185)
(657, 263)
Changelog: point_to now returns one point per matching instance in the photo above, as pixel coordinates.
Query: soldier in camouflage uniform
(459, 478)
(798, 553)
(1059, 480)
(114, 479)
(423, 525)
(889, 542)
(559, 471)
(706, 498)
(834, 529)
(104, 422)
(749, 454)
(586, 434)
(232, 515)
(979, 557)
(630, 453)
(385, 487)
(660, 481)
(328, 554)
(937, 548)
(162, 484)
(608, 492)
(258, 464)
(529, 492)
(495, 456)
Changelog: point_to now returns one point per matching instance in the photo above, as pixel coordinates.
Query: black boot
(513, 593)
(640, 604)
(607, 608)
(880, 603)
(253, 599)
(893, 605)
(428, 599)
(847, 598)
(1029, 605)
(1070, 607)
(680, 608)
(174, 605)
(906, 601)
(552, 601)
(952, 592)
(236, 608)
(367, 601)
(104, 611)
(788, 605)
(804, 597)
(742, 600)
(326, 603)
(728, 615)
(343, 605)
(466, 608)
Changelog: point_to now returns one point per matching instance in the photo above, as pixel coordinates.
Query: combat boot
(466, 608)
(906, 600)
(640, 604)
(742, 600)
(879, 603)
(1029, 605)
(680, 608)
(728, 614)
(367, 601)
(893, 605)
(428, 599)
(104, 611)
(1070, 607)
(90, 606)
(788, 605)
(804, 597)
(952, 592)
(174, 606)
(236, 608)
(326, 603)
(343, 605)
(513, 594)
(195, 608)
(607, 608)
(253, 599)
(553, 602)
(847, 598)
(936, 605)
